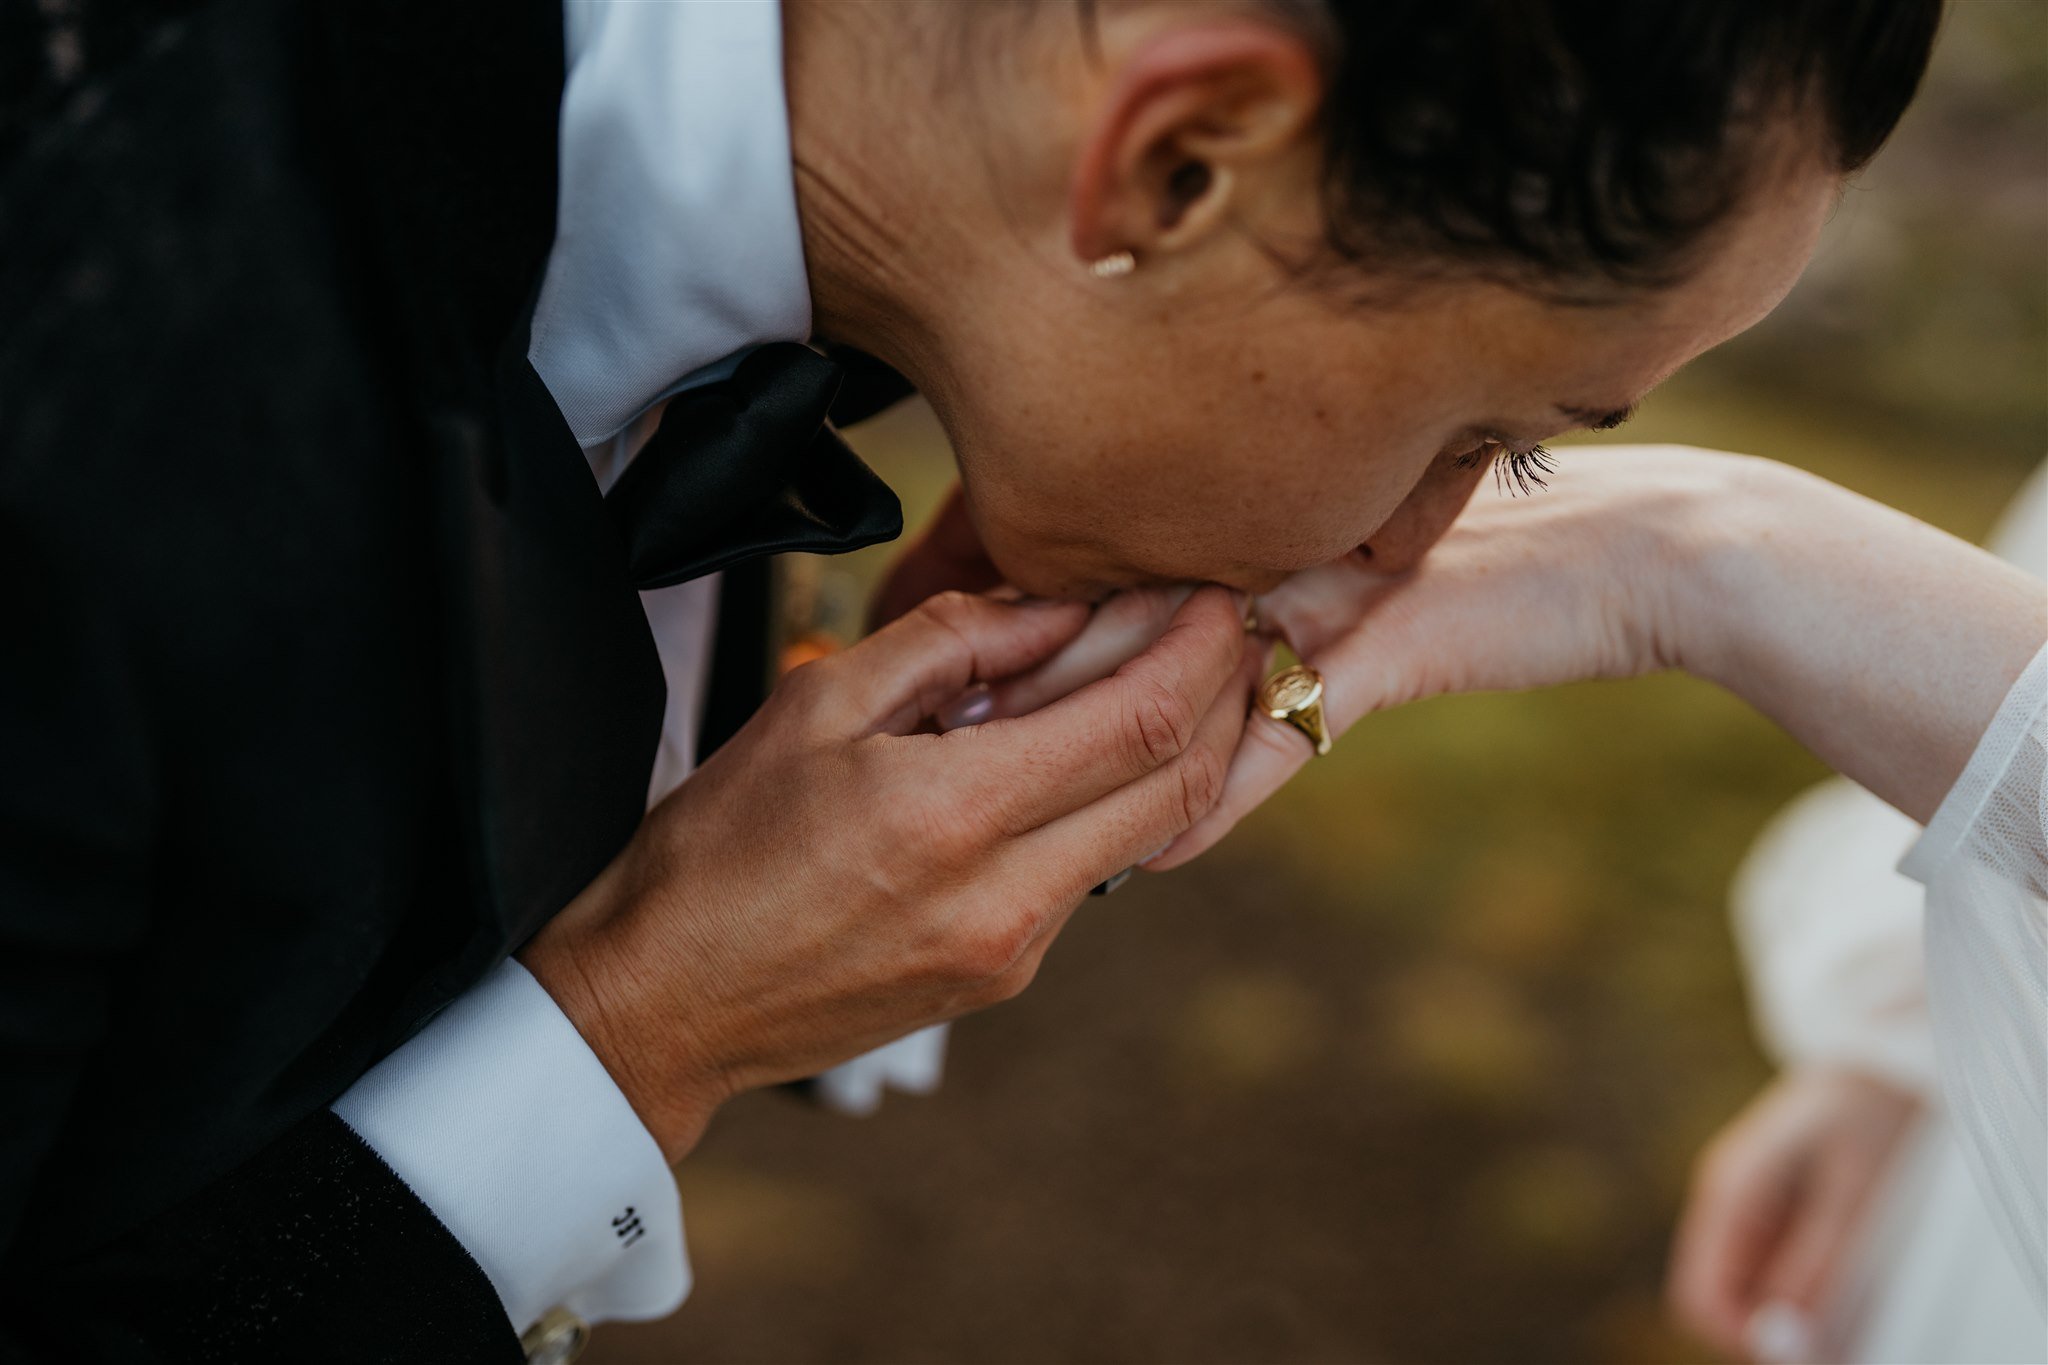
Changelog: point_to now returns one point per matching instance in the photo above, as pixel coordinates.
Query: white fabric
(677, 249)
(1984, 861)
(675, 253)
(1932, 1282)
(1832, 937)
(503, 1121)
(677, 239)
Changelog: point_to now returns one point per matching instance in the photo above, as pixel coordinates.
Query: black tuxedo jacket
(324, 685)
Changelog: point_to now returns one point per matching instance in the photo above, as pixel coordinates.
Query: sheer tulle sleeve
(1984, 861)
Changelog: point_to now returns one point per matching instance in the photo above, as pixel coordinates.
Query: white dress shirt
(677, 249)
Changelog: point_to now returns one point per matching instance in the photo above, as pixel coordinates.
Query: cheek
(1235, 473)
(1424, 515)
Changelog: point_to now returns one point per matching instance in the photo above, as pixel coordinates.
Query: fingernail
(1155, 853)
(1779, 1334)
(971, 707)
(1003, 592)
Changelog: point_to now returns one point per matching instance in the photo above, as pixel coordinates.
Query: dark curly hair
(1574, 142)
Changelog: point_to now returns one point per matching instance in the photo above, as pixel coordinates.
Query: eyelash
(1515, 472)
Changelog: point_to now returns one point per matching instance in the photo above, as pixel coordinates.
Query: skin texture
(1229, 411)
(1882, 644)
(903, 876)
(1224, 414)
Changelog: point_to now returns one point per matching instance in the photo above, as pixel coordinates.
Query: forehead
(1606, 354)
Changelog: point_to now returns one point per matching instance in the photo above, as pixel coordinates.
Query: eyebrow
(1598, 419)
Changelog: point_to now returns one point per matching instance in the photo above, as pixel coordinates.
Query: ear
(1192, 117)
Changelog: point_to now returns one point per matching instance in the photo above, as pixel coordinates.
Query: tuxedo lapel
(558, 689)
(443, 132)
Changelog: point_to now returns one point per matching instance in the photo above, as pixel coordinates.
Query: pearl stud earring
(1113, 266)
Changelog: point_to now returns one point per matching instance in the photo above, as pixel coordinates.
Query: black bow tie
(749, 466)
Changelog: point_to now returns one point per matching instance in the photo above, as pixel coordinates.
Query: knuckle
(948, 609)
(1201, 775)
(985, 953)
(1161, 720)
(1011, 983)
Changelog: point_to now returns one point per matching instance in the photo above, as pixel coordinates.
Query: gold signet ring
(1294, 696)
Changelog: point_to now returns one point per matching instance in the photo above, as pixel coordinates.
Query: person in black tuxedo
(396, 406)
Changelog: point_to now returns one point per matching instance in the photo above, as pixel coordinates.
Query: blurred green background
(1414, 1066)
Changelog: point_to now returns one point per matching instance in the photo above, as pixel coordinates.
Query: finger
(1136, 820)
(1811, 1254)
(1269, 753)
(1118, 632)
(1736, 1217)
(1319, 606)
(903, 672)
(1362, 672)
(1026, 771)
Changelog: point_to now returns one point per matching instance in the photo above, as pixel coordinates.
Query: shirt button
(558, 1338)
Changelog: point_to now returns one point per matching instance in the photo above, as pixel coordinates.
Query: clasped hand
(841, 873)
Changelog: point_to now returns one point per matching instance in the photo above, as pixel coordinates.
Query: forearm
(1882, 644)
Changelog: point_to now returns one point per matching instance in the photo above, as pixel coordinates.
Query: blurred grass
(1412, 1067)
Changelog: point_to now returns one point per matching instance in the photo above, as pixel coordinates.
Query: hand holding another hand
(837, 875)
(1571, 583)
(1881, 643)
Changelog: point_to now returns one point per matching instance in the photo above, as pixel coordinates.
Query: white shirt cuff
(505, 1124)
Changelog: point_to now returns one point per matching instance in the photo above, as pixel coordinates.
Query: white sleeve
(1830, 936)
(505, 1124)
(1984, 861)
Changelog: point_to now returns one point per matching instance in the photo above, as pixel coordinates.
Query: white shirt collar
(676, 237)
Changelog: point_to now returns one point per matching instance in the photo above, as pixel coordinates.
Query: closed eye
(1517, 470)
(1595, 419)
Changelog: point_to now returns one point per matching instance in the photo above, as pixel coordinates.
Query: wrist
(1720, 569)
(604, 993)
